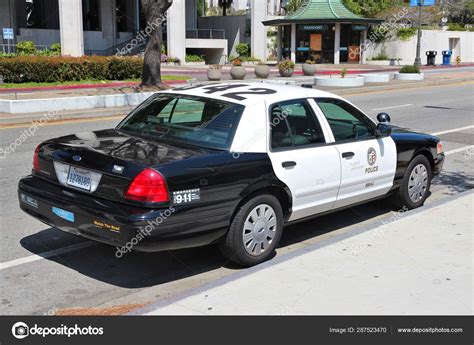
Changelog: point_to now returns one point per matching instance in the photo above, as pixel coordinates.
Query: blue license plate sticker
(69, 216)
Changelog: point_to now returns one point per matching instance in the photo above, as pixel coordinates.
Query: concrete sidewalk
(415, 263)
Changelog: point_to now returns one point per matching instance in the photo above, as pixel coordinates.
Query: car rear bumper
(120, 225)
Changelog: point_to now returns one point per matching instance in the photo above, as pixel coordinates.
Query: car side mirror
(383, 118)
(383, 130)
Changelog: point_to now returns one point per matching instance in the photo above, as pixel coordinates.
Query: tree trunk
(154, 12)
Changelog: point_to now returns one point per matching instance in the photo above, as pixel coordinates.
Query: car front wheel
(255, 231)
(415, 185)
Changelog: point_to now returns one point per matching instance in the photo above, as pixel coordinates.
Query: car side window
(346, 122)
(294, 124)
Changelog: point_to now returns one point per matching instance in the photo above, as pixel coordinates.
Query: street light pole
(418, 43)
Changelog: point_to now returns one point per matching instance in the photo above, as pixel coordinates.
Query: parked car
(227, 164)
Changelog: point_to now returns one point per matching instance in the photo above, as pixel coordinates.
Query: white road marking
(44, 255)
(461, 149)
(395, 106)
(453, 130)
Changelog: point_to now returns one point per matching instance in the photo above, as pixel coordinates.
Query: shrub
(55, 48)
(237, 62)
(25, 48)
(380, 57)
(242, 49)
(405, 34)
(410, 69)
(40, 69)
(285, 65)
(343, 72)
(249, 59)
(456, 27)
(125, 68)
(194, 58)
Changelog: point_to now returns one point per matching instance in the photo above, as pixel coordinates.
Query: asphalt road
(44, 271)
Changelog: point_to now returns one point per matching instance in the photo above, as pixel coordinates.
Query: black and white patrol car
(229, 164)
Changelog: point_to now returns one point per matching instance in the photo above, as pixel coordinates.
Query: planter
(214, 74)
(262, 71)
(309, 69)
(410, 76)
(238, 72)
(201, 63)
(339, 82)
(392, 62)
(286, 73)
(376, 78)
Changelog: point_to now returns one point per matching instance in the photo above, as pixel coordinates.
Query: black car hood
(399, 133)
(115, 144)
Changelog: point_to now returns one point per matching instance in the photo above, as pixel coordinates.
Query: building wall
(234, 26)
(431, 40)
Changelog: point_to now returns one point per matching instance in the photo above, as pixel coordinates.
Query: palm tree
(225, 5)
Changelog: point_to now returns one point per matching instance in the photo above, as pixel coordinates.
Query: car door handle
(348, 155)
(289, 164)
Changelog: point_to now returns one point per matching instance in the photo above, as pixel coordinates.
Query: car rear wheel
(415, 185)
(254, 232)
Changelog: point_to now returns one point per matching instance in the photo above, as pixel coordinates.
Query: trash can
(431, 57)
(447, 57)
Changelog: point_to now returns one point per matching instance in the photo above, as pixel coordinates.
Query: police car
(230, 164)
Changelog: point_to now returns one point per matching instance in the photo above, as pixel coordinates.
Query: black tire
(232, 246)
(401, 198)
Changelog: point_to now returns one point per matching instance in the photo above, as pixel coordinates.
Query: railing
(205, 34)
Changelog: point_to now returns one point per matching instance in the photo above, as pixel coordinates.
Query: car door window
(293, 124)
(346, 122)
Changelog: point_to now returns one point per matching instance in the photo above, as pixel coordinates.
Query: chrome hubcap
(259, 229)
(418, 183)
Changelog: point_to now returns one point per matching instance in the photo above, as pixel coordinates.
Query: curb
(286, 257)
(405, 86)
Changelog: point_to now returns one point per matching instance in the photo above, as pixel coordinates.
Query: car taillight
(36, 165)
(148, 186)
(439, 148)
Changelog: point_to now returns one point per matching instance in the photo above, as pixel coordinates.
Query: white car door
(368, 163)
(302, 159)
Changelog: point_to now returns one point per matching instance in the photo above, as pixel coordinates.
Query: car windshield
(198, 121)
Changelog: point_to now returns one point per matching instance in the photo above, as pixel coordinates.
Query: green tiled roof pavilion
(330, 11)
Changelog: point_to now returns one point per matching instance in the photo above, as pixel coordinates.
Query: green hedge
(41, 69)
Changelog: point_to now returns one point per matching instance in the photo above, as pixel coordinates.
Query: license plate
(79, 178)
(69, 216)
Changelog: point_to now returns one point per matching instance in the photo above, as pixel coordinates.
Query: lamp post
(418, 43)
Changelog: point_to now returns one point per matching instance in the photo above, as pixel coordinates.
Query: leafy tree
(201, 8)
(370, 8)
(458, 11)
(292, 6)
(154, 12)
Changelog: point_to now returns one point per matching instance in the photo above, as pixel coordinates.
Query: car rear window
(193, 120)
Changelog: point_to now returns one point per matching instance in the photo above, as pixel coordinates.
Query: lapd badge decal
(371, 159)
(371, 156)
